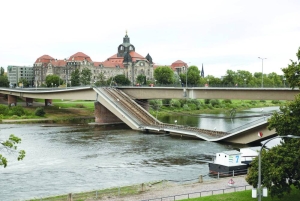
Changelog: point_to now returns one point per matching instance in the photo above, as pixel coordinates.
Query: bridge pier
(103, 115)
(12, 100)
(48, 102)
(29, 101)
(144, 103)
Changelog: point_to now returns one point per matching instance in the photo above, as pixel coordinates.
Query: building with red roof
(126, 61)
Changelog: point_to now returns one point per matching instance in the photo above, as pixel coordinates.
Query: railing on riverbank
(135, 191)
(202, 193)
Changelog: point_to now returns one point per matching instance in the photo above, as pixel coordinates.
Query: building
(126, 61)
(179, 67)
(15, 73)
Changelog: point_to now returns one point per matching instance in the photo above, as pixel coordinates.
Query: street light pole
(259, 162)
(262, 71)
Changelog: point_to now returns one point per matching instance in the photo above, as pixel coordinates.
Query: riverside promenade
(167, 190)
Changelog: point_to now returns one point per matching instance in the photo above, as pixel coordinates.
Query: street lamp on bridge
(262, 71)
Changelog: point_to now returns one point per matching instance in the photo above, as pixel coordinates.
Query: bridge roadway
(87, 93)
(119, 102)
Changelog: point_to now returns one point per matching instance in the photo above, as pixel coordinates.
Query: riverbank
(162, 189)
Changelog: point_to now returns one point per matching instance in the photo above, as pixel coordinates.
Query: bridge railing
(195, 129)
(250, 124)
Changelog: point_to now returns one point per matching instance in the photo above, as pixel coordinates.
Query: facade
(126, 61)
(179, 67)
(14, 73)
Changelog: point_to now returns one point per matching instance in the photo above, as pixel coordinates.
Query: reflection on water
(220, 122)
(65, 159)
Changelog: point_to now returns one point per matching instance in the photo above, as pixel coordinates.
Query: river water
(61, 158)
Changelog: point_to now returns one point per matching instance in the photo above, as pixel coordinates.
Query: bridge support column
(12, 100)
(144, 103)
(48, 102)
(29, 101)
(103, 115)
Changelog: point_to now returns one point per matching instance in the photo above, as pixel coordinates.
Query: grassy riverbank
(212, 107)
(63, 111)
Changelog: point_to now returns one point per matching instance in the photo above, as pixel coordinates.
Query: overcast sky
(220, 34)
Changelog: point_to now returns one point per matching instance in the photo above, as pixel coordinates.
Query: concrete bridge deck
(124, 109)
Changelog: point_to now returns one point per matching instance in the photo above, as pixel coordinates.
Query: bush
(206, 101)
(275, 102)
(186, 107)
(40, 112)
(252, 102)
(166, 102)
(16, 110)
(4, 109)
(215, 102)
(227, 101)
(175, 103)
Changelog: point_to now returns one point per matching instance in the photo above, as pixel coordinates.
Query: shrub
(206, 101)
(192, 106)
(175, 103)
(40, 112)
(227, 101)
(275, 101)
(215, 102)
(166, 102)
(16, 110)
(186, 107)
(262, 101)
(252, 102)
(4, 109)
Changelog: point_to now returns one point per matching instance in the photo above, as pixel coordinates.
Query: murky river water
(63, 159)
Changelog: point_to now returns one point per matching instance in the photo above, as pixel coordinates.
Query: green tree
(280, 165)
(193, 75)
(9, 146)
(164, 75)
(85, 76)
(24, 82)
(141, 79)
(75, 77)
(4, 81)
(100, 81)
(292, 72)
(121, 80)
(53, 80)
(1, 71)
(230, 79)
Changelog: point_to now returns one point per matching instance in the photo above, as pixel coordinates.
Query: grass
(111, 192)
(136, 189)
(238, 105)
(246, 196)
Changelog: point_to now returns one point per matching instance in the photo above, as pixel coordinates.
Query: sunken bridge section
(134, 113)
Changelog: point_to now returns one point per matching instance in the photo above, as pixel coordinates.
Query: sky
(221, 35)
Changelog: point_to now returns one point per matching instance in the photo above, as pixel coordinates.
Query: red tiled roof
(58, 62)
(110, 63)
(79, 56)
(177, 64)
(44, 59)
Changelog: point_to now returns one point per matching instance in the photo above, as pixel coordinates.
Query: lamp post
(186, 77)
(262, 71)
(208, 82)
(284, 79)
(259, 162)
(52, 85)
(245, 82)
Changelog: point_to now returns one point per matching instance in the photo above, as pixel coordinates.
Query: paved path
(168, 190)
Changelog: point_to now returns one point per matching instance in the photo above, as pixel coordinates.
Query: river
(61, 158)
